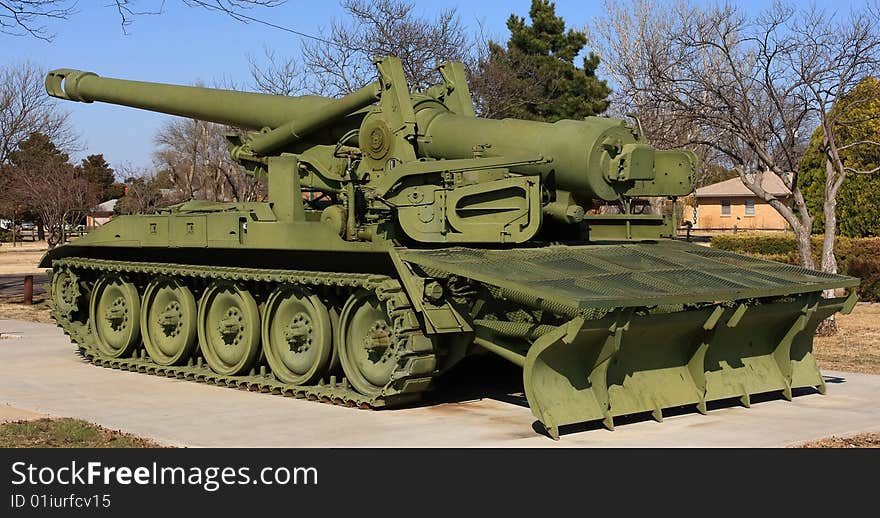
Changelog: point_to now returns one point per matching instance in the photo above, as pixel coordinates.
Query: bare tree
(25, 108)
(56, 207)
(23, 17)
(41, 179)
(196, 155)
(836, 56)
(277, 75)
(745, 91)
(633, 43)
(341, 59)
(141, 197)
(29, 17)
(142, 192)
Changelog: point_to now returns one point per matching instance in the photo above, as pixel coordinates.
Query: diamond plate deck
(628, 275)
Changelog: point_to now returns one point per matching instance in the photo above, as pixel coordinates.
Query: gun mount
(421, 159)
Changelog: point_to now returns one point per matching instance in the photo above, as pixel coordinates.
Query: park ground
(15, 263)
(855, 348)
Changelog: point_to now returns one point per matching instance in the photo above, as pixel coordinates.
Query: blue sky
(185, 45)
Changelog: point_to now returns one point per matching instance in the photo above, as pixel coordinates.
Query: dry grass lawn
(39, 312)
(856, 347)
(12, 308)
(67, 433)
(22, 259)
(863, 440)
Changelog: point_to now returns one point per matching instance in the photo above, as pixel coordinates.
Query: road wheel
(114, 316)
(229, 329)
(368, 347)
(169, 321)
(297, 336)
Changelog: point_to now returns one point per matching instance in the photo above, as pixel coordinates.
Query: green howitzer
(402, 233)
(481, 180)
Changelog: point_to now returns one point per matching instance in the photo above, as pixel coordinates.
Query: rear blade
(628, 363)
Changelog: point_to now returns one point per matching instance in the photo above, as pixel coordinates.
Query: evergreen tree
(37, 149)
(535, 77)
(97, 171)
(858, 201)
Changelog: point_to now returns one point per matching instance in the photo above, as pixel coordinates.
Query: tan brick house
(730, 204)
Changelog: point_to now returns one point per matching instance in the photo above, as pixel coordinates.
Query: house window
(750, 207)
(725, 207)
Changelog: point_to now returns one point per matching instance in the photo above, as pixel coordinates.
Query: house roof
(107, 206)
(734, 187)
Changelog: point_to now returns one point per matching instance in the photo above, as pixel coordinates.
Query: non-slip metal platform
(628, 275)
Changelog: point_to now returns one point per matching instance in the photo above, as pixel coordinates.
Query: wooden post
(28, 290)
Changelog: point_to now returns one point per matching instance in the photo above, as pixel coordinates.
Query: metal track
(415, 356)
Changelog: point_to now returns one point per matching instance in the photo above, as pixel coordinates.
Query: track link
(416, 356)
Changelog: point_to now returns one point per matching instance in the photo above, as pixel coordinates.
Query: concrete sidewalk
(40, 372)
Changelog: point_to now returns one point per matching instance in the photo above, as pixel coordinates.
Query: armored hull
(600, 330)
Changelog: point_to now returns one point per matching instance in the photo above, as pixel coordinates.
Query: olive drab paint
(403, 233)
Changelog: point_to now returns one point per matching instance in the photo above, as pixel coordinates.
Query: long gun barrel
(287, 118)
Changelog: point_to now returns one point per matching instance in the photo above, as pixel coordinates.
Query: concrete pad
(40, 371)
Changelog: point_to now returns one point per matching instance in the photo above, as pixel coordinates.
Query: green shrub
(858, 257)
(789, 258)
(756, 244)
(861, 258)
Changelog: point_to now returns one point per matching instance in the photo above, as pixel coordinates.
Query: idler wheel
(114, 316)
(169, 321)
(368, 347)
(229, 329)
(297, 336)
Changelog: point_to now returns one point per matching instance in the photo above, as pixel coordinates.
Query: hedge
(859, 257)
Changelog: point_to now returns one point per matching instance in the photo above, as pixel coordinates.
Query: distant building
(730, 204)
(101, 213)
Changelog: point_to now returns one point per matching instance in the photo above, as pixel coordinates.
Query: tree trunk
(801, 222)
(805, 250)
(53, 238)
(829, 261)
(828, 327)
